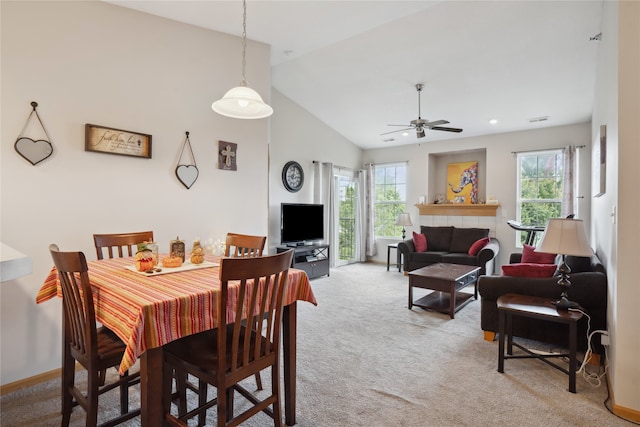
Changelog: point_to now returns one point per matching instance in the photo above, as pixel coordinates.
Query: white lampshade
(403, 219)
(242, 102)
(565, 236)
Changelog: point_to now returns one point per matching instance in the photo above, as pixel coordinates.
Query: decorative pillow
(529, 270)
(531, 257)
(420, 242)
(478, 245)
(463, 238)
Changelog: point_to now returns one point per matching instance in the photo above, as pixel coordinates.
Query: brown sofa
(451, 245)
(588, 288)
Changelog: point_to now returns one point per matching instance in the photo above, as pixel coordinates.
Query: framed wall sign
(117, 141)
(599, 163)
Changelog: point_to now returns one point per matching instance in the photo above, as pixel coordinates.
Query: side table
(510, 305)
(398, 256)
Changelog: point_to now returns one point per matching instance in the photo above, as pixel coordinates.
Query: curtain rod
(335, 166)
(543, 149)
(387, 163)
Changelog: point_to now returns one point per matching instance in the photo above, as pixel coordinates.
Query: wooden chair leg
(202, 400)
(92, 399)
(275, 389)
(68, 380)
(258, 381)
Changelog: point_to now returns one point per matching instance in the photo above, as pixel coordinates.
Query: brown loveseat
(451, 245)
(588, 288)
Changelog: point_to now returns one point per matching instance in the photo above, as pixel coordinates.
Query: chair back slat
(261, 283)
(120, 243)
(77, 301)
(244, 245)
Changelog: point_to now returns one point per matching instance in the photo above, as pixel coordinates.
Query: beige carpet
(364, 359)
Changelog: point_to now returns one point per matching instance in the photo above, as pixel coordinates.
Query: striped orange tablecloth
(150, 311)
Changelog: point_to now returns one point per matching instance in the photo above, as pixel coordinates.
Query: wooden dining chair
(121, 243)
(96, 349)
(244, 245)
(231, 353)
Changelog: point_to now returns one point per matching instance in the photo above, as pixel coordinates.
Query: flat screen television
(301, 223)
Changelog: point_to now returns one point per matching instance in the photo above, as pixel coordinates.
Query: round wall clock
(292, 176)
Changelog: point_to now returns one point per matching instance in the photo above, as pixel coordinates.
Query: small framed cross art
(227, 155)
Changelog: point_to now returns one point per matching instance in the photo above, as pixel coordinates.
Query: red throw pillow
(420, 242)
(531, 257)
(478, 245)
(529, 270)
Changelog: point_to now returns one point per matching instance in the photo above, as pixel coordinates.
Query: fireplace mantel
(455, 209)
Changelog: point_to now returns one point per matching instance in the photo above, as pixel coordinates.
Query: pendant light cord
(244, 42)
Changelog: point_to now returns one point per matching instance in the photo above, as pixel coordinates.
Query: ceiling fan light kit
(242, 102)
(420, 124)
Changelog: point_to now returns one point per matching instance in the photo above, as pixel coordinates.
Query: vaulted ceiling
(354, 64)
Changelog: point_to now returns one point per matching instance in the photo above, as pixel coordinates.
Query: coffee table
(446, 280)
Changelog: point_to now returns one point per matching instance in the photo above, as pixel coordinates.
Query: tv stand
(313, 259)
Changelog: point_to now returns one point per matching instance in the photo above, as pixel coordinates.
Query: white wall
(93, 62)
(298, 135)
(617, 99)
(500, 175)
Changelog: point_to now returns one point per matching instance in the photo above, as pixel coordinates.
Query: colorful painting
(462, 182)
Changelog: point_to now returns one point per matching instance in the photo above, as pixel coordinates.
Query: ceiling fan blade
(456, 130)
(399, 125)
(436, 123)
(394, 131)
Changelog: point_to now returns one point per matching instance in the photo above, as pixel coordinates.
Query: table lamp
(403, 220)
(565, 237)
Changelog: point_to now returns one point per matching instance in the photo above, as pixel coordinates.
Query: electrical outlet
(604, 339)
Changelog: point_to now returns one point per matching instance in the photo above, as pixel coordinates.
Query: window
(539, 189)
(347, 206)
(391, 197)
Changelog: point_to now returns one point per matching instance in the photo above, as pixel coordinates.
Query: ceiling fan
(421, 124)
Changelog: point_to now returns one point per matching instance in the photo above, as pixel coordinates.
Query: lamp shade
(566, 237)
(242, 102)
(403, 219)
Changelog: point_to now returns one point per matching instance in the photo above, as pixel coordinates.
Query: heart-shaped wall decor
(33, 151)
(187, 174)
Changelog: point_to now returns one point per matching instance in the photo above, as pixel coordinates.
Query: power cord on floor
(592, 378)
(607, 404)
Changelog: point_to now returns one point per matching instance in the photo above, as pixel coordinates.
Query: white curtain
(370, 210)
(361, 217)
(323, 193)
(568, 180)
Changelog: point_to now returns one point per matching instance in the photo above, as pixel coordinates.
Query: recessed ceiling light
(405, 133)
(493, 121)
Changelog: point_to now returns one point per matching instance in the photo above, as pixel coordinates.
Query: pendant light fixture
(242, 102)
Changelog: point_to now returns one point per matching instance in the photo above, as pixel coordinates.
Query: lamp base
(564, 304)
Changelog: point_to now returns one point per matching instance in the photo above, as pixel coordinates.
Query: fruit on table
(144, 259)
(171, 261)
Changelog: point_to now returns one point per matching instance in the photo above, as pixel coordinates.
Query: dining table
(149, 310)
